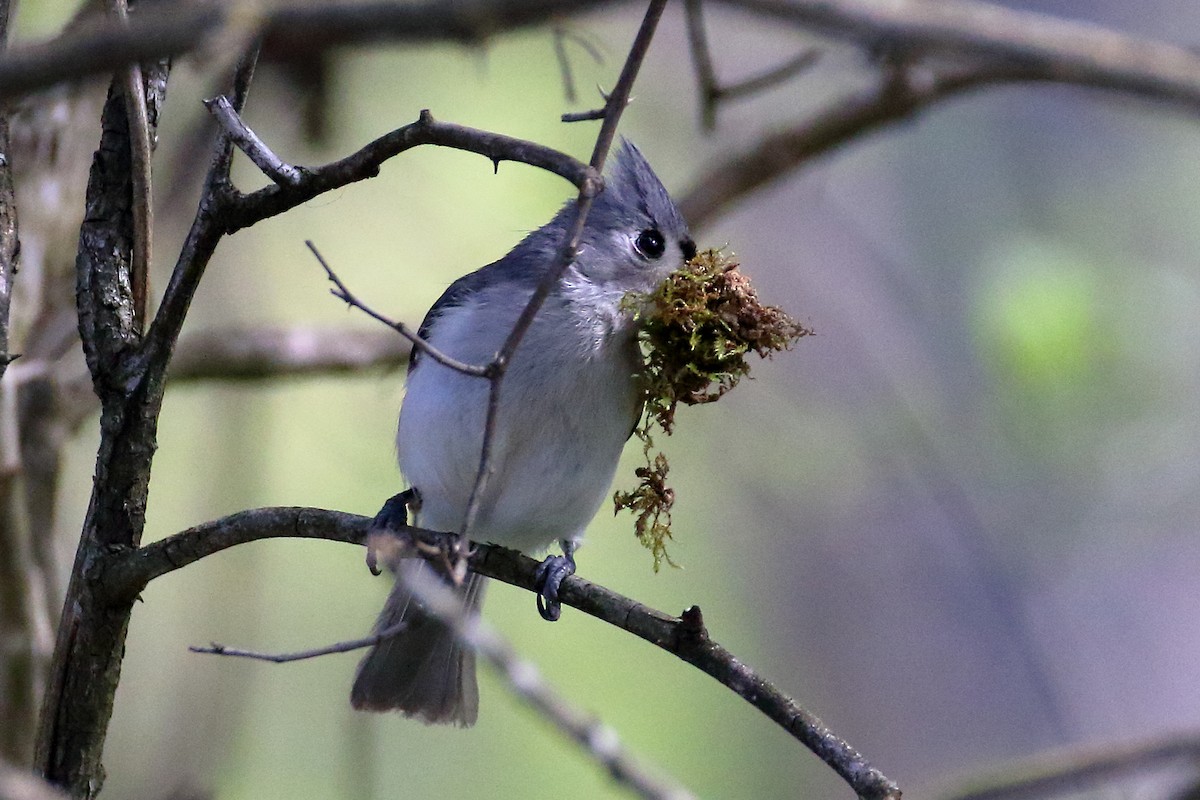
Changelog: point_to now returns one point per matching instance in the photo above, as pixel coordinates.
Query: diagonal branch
(342, 292)
(892, 99)
(519, 676)
(613, 108)
(524, 680)
(685, 636)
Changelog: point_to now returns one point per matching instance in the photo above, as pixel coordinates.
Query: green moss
(695, 332)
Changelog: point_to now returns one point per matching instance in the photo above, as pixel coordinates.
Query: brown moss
(695, 332)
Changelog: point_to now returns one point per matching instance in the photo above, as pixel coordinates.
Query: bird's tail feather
(422, 671)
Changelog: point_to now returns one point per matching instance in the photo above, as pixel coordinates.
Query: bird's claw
(393, 517)
(550, 575)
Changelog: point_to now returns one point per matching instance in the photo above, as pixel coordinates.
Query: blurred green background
(959, 523)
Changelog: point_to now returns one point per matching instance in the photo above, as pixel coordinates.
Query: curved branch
(246, 210)
(1071, 51)
(684, 637)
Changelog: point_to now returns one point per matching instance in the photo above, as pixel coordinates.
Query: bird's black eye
(651, 243)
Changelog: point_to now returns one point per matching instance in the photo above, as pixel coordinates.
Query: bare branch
(770, 78)
(614, 106)
(844, 121)
(684, 637)
(711, 90)
(224, 354)
(246, 210)
(525, 681)
(10, 247)
(702, 63)
(174, 28)
(520, 676)
(203, 236)
(249, 143)
(303, 655)
(583, 116)
(140, 156)
(1064, 50)
(342, 292)
(78, 701)
(1074, 771)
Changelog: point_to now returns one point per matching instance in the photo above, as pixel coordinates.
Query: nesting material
(696, 332)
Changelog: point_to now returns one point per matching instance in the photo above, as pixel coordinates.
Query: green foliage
(695, 332)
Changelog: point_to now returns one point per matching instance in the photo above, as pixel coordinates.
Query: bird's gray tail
(422, 671)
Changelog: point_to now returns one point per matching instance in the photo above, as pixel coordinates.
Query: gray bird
(568, 403)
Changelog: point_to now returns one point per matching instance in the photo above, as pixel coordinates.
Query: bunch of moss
(695, 331)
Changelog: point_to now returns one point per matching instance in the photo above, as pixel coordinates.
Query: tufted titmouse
(568, 403)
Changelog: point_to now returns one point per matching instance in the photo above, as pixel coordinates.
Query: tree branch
(78, 701)
(711, 91)
(1067, 51)
(246, 210)
(614, 106)
(342, 292)
(894, 98)
(1074, 771)
(684, 637)
(172, 29)
(249, 143)
(524, 680)
(130, 77)
(224, 354)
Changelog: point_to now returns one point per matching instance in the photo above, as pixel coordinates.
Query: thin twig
(524, 680)
(520, 676)
(583, 116)
(710, 89)
(770, 78)
(561, 35)
(348, 646)
(344, 293)
(614, 107)
(249, 143)
(564, 62)
(684, 637)
(702, 63)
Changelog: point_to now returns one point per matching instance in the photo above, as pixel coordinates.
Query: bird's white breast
(567, 405)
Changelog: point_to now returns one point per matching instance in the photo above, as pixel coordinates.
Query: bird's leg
(550, 575)
(392, 518)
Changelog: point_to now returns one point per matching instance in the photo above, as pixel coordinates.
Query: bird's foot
(392, 518)
(550, 575)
